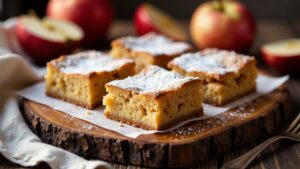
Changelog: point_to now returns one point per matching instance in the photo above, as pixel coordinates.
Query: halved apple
(148, 18)
(45, 39)
(284, 55)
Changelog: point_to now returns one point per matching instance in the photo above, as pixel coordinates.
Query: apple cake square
(149, 49)
(80, 78)
(153, 99)
(227, 75)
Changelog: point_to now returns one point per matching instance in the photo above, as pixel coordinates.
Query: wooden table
(285, 154)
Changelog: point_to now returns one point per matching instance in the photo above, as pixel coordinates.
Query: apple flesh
(148, 18)
(283, 56)
(93, 16)
(223, 24)
(45, 39)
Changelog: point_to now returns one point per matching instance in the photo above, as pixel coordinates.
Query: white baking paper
(265, 84)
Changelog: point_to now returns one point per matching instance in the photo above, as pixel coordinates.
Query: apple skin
(41, 50)
(160, 22)
(232, 30)
(93, 16)
(283, 64)
(142, 21)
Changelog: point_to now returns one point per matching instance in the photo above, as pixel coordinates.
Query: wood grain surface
(284, 154)
(186, 146)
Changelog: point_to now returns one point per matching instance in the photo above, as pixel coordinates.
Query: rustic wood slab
(184, 147)
(283, 155)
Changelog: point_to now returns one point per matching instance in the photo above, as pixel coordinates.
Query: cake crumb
(87, 127)
(88, 112)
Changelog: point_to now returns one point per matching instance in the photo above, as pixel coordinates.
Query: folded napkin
(17, 142)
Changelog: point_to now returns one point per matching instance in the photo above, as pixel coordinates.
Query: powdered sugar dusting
(212, 61)
(36, 93)
(155, 44)
(85, 127)
(151, 80)
(90, 61)
(239, 113)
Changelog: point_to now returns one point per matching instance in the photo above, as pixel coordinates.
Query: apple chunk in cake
(227, 75)
(80, 78)
(153, 99)
(149, 49)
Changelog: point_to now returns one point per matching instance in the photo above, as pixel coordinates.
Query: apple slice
(283, 55)
(45, 39)
(93, 16)
(148, 18)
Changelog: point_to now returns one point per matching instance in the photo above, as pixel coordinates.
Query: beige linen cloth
(17, 143)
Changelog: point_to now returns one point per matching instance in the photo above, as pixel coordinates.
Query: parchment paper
(265, 84)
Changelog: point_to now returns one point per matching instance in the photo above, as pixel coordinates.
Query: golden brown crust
(153, 99)
(84, 89)
(218, 77)
(222, 83)
(156, 95)
(239, 62)
(146, 127)
(54, 64)
(159, 93)
(90, 75)
(143, 59)
(209, 77)
(120, 44)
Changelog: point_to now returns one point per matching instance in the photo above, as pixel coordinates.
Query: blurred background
(276, 20)
(275, 10)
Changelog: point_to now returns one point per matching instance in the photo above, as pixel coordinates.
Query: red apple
(45, 39)
(93, 16)
(148, 18)
(223, 24)
(284, 55)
